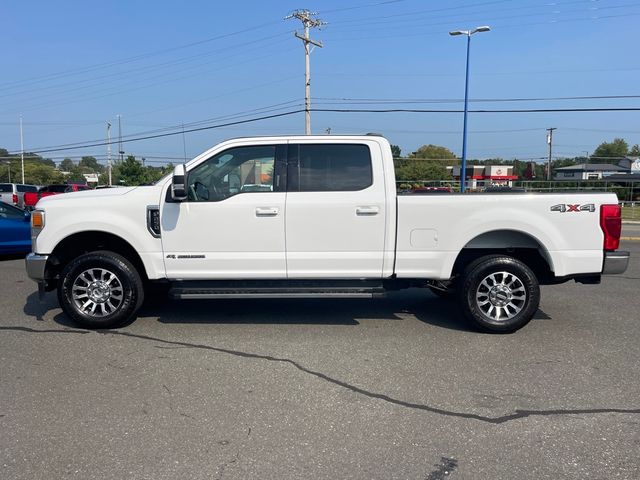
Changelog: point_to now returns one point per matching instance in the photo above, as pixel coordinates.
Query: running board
(276, 289)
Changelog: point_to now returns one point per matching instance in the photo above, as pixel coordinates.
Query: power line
(368, 5)
(334, 110)
(494, 27)
(417, 17)
(477, 100)
(523, 72)
(149, 69)
(46, 78)
(160, 135)
(111, 92)
(262, 110)
(521, 110)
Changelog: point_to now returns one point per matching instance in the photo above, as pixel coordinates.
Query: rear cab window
(6, 187)
(26, 188)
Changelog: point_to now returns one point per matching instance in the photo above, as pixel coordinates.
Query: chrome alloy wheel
(97, 292)
(501, 296)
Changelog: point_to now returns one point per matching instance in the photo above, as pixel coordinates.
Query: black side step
(276, 289)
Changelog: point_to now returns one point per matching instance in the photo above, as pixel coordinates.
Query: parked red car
(31, 198)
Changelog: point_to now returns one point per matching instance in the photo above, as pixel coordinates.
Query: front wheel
(499, 294)
(100, 290)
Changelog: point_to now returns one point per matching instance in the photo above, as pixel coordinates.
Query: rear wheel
(100, 290)
(499, 294)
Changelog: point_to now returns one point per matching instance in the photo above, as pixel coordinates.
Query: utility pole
(21, 149)
(109, 150)
(308, 21)
(120, 150)
(550, 143)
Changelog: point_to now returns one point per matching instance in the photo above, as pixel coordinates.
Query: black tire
(100, 290)
(499, 294)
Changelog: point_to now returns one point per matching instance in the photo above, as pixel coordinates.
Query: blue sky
(71, 66)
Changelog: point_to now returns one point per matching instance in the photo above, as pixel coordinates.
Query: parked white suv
(315, 216)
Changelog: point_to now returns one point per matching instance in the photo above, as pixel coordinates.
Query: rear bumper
(36, 265)
(615, 262)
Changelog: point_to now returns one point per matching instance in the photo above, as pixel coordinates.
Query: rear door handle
(267, 211)
(364, 211)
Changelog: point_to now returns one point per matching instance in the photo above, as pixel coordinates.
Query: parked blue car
(15, 230)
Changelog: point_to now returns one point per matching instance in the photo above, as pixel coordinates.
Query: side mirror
(178, 183)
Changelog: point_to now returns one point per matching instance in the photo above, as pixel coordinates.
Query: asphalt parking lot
(397, 387)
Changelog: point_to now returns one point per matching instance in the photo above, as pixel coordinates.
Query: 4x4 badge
(569, 207)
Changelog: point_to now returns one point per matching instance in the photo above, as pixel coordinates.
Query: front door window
(234, 171)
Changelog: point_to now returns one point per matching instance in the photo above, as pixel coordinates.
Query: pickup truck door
(336, 215)
(232, 223)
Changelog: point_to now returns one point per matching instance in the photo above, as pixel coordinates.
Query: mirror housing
(179, 183)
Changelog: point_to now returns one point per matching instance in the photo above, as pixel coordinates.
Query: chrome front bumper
(615, 262)
(36, 265)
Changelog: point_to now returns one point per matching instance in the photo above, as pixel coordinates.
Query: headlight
(37, 224)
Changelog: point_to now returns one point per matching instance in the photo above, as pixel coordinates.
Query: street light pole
(21, 149)
(463, 166)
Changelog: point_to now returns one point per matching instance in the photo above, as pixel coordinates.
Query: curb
(631, 222)
(630, 239)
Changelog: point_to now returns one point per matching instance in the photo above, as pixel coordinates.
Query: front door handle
(367, 211)
(267, 211)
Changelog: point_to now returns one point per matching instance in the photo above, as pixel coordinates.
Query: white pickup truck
(314, 216)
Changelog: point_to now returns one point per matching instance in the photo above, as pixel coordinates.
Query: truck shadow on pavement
(405, 305)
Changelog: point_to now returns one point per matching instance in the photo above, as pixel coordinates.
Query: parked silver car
(13, 193)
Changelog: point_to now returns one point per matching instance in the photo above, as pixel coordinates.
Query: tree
(37, 170)
(433, 152)
(131, 172)
(426, 163)
(91, 164)
(616, 149)
(395, 151)
(635, 151)
(413, 169)
(41, 174)
(67, 165)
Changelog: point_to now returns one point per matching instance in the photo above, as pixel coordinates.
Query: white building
(587, 171)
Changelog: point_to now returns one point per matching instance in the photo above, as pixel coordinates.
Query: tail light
(15, 199)
(611, 224)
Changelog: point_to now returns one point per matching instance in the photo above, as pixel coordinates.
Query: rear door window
(329, 167)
